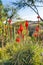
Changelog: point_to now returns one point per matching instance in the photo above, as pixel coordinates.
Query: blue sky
(26, 13)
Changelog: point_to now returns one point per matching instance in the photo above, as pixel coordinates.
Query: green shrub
(21, 54)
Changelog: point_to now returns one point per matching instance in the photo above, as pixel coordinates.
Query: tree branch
(34, 10)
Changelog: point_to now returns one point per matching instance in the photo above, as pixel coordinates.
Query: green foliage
(21, 54)
(27, 52)
(41, 23)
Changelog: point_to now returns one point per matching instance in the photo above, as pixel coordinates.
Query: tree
(2, 12)
(0, 9)
(30, 3)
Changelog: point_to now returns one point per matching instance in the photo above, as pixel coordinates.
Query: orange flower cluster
(26, 24)
(18, 40)
(19, 31)
(37, 31)
(36, 34)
